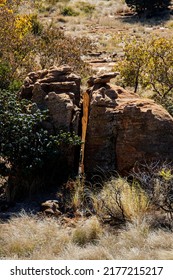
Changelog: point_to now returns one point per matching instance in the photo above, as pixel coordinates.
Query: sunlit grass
(27, 237)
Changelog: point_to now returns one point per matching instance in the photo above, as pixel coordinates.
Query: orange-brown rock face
(123, 129)
(145, 132)
(56, 89)
(118, 127)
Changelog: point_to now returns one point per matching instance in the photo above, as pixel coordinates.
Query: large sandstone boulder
(123, 128)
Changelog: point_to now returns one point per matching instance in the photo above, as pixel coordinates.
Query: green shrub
(69, 11)
(26, 45)
(87, 8)
(26, 145)
(16, 44)
(5, 74)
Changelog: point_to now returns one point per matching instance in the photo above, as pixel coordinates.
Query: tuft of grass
(69, 11)
(120, 199)
(89, 232)
(86, 7)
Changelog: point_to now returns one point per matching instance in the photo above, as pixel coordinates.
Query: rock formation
(123, 128)
(51, 208)
(57, 89)
(118, 127)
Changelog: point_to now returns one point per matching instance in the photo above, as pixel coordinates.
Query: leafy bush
(27, 46)
(16, 43)
(132, 66)
(26, 145)
(149, 5)
(5, 74)
(148, 63)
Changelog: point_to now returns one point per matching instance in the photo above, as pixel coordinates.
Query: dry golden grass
(86, 233)
(28, 237)
(119, 198)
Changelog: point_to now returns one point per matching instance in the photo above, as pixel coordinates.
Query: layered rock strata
(56, 89)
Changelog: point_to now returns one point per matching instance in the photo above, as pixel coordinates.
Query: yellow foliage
(23, 25)
(2, 2)
(166, 174)
(134, 201)
(9, 4)
(148, 63)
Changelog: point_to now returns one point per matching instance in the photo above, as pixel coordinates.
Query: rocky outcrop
(102, 79)
(145, 132)
(56, 89)
(123, 129)
(118, 127)
(56, 79)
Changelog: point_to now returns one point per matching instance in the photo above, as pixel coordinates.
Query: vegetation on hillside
(26, 45)
(27, 237)
(148, 64)
(134, 213)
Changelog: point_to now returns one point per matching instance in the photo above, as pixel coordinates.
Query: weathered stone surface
(145, 132)
(56, 89)
(118, 127)
(61, 110)
(38, 95)
(124, 128)
(102, 79)
(57, 79)
(51, 208)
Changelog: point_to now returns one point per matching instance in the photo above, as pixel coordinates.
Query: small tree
(149, 63)
(147, 5)
(132, 66)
